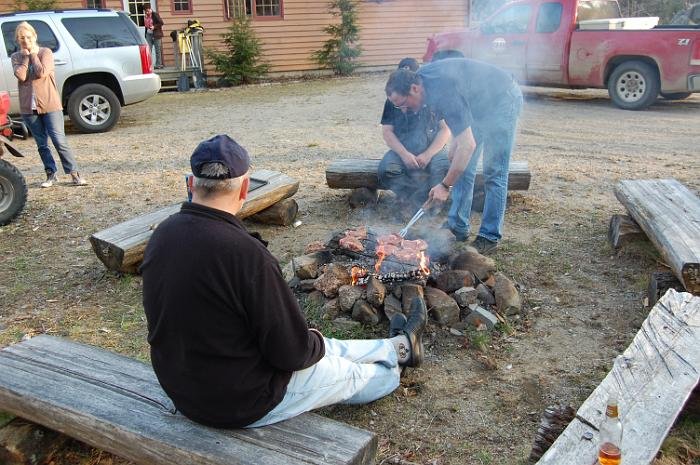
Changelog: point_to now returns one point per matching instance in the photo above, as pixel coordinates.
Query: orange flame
(381, 254)
(424, 262)
(355, 273)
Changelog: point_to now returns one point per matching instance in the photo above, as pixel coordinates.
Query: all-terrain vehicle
(13, 187)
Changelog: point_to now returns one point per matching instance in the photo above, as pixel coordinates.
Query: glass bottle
(609, 452)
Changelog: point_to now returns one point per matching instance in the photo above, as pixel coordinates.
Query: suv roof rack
(63, 10)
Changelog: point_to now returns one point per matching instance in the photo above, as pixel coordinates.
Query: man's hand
(423, 160)
(437, 195)
(410, 161)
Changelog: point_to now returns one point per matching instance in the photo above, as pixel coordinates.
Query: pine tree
(340, 52)
(242, 63)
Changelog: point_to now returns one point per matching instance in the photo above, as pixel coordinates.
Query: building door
(135, 9)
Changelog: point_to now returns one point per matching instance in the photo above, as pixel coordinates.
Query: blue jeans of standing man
(351, 372)
(495, 138)
(50, 125)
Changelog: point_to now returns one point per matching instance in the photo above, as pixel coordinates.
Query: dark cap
(220, 149)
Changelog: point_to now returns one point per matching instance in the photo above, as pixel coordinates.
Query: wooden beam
(623, 230)
(652, 380)
(669, 214)
(353, 173)
(115, 403)
(121, 246)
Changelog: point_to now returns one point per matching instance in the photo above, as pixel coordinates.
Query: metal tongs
(413, 220)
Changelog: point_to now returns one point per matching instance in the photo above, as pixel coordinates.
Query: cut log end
(623, 230)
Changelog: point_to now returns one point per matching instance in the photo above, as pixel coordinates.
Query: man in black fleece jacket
(229, 343)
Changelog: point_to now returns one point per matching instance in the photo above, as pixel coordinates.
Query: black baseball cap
(220, 149)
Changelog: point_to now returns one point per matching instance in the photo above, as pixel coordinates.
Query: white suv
(102, 62)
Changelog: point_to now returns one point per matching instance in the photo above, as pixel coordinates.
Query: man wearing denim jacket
(480, 104)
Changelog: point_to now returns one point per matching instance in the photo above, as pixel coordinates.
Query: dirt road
(584, 299)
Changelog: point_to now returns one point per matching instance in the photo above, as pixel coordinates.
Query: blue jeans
(411, 184)
(351, 372)
(50, 125)
(495, 138)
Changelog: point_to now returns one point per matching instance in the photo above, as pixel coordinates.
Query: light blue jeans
(50, 125)
(495, 138)
(351, 372)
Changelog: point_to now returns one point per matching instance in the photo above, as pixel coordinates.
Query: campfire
(370, 276)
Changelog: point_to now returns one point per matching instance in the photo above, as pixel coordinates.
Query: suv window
(549, 17)
(101, 32)
(45, 36)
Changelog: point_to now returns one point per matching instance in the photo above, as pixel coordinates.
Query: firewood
(408, 292)
(623, 230)
(25, 443)
(282, 213)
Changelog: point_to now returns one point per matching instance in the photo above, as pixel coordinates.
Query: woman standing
(154, 33)
(40, 104)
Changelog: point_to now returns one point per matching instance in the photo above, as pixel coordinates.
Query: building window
(254, 8)
(136, 8)
(182, 6)
(94, 4)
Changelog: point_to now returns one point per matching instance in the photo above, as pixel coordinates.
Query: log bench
(652, 379)
(115, 403)
(121, 247)
(669, 214)
(357, 173)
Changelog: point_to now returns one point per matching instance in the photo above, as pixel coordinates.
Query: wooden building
(291, 30)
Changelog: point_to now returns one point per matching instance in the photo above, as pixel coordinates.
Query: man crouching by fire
(229, 343)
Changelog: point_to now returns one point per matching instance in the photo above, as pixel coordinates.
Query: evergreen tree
(241, 64)
(340, 52)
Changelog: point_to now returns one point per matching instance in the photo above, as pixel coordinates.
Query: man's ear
(244, 189)
(414, 90)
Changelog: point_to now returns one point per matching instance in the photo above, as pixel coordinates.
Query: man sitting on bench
(417, 159)
(229, 343)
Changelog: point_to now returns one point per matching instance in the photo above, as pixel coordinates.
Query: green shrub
(339, 53)
(241, 64)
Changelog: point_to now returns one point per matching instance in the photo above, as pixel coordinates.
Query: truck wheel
(633, 85)
(442, 54)
(13, 192)
(93, 108)
(676, 95)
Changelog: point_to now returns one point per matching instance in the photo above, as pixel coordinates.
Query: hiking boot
(396, 324)
(483, 245)
(413, 330)
(77, 180)
(50, 179)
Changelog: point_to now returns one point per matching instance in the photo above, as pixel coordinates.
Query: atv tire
(13, 192)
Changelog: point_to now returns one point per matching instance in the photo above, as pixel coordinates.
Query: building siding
(389, 30)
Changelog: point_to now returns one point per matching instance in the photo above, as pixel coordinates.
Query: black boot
(413, 330)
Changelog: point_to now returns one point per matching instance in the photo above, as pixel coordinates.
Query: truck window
(549, 17)
(45, 36)
(103, 32)
(597, 9)
(512, 20)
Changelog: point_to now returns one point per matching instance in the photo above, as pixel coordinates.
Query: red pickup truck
(580, 44)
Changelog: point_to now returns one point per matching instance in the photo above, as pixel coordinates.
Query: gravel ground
(583, 299)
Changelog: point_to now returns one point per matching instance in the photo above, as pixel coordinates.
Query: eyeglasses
(403, 105)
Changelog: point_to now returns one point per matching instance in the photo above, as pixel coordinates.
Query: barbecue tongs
(413, 220)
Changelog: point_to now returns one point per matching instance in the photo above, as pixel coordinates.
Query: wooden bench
(652, 379)
(669, 214)
(121, 247)
(115, 403)
(357, 173)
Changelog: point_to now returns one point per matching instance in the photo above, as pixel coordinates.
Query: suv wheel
(93, 108)
(13, 192)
